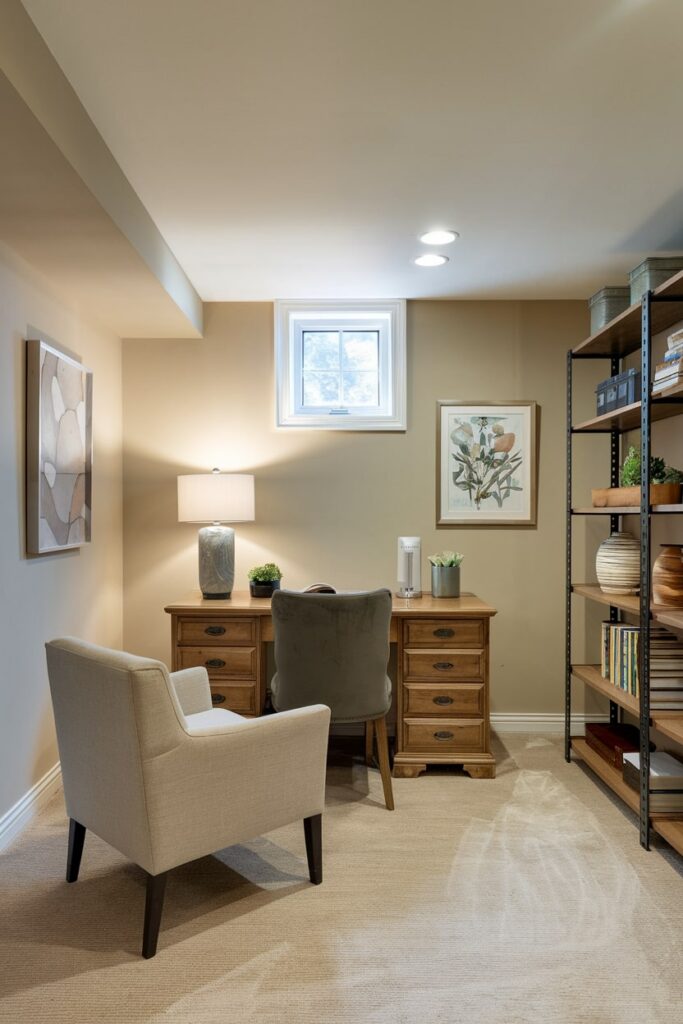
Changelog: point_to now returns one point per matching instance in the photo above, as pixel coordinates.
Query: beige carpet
(524, 899)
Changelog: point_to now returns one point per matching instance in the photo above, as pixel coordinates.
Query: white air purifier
(408, 570)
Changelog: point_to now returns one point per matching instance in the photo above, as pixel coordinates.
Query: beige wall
(77, 592)
(330, 505)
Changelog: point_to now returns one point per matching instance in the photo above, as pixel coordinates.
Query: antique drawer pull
(443, 735)
(218, 698)
(444, 632)
(215, 663)
(215, 630)
(442, 700)
(443, 666)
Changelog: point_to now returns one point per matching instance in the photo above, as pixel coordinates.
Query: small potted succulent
(264, 579)
(446, 574)
(665, 484)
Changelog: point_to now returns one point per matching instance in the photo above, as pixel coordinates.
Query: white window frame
(388, 317)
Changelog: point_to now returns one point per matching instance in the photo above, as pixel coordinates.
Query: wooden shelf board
(590, 675)
(670, 829)
(624, 510)
(671, 617)
(609, 775)
(626, 602)
(623, 334)
(628, 417)
(670, 723)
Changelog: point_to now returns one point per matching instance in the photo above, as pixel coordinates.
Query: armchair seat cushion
(210, 721)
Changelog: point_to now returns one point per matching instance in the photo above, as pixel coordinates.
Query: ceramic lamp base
(216, 562)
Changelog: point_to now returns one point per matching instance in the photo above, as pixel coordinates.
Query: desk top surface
(467, 606)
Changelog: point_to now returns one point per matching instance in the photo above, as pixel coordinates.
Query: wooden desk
(442, 671)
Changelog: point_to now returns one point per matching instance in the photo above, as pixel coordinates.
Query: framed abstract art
(486, 463)
(58, 450)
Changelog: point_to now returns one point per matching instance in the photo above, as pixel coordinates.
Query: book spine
(604, 650)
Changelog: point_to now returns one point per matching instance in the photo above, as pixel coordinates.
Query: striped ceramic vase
(617, 564)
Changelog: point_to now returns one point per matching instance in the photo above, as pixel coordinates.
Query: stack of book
(619, 663)
(666, 780)
(669, 372)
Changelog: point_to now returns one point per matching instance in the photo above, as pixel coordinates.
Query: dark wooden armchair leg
(314, 847)
(154, 904)
(76, 840)
(383, 758)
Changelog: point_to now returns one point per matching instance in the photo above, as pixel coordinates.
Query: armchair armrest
(192, 689)
(229, 781)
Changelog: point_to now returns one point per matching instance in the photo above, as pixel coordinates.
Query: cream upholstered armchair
(154, 770)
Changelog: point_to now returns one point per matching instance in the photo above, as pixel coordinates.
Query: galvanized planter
(445, 581)
(652, 272)
(606, 304)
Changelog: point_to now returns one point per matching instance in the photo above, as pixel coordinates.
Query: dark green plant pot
(263, 589)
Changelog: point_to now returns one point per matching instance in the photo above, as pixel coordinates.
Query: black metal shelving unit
(622, 336)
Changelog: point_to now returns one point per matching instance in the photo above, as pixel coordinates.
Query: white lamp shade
(216, 498)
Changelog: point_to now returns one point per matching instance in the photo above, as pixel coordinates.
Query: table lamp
(216, 498)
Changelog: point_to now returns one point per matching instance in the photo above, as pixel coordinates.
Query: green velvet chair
(333, 649)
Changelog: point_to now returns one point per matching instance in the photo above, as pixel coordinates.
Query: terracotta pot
(617, 564)
(660, 494)
(667, 576)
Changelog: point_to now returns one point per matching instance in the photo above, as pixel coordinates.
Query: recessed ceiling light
(439, 237)
(431, 259)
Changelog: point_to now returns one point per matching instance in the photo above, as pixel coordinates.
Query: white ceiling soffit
(298, 147)
(67, 208)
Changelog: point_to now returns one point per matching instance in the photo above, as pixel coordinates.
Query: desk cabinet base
(407, 766)
(443, 694)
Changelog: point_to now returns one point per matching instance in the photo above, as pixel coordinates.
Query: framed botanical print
(486, 463)
(58, 450)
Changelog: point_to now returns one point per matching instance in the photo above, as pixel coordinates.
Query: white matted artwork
(486, 463)
(58, 450)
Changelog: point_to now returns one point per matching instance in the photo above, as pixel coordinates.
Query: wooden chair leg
(383, 757)
(76, 840)
(369, 740)
(154, 904)
(314, 847)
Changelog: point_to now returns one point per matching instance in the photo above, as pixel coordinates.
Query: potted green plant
(665, 484)
(446, 574)
(264, 579)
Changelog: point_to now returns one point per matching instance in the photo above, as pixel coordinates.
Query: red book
(611, 742)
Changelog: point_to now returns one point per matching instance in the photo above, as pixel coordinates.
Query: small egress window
(341, 366)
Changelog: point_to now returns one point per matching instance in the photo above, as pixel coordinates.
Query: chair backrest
(332, 649)
(114, 712)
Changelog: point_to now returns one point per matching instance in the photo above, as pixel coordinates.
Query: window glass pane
(321, 350)
(360, 387)
(361, 349)
(321, 388)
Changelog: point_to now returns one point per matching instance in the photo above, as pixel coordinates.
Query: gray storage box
(606, 304)
(618, 391)
(652, 272)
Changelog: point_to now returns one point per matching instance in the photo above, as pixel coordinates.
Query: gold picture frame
(486, 463)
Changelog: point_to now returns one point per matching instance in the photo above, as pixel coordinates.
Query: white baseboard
(553, 723)
(501, 722)
(25, 810)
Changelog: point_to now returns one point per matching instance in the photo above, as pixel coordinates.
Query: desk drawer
(444, 735)
(220, 662)
(443, 664)
(223, 632)
(443, 633)
(447, 699)
(239, 697)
